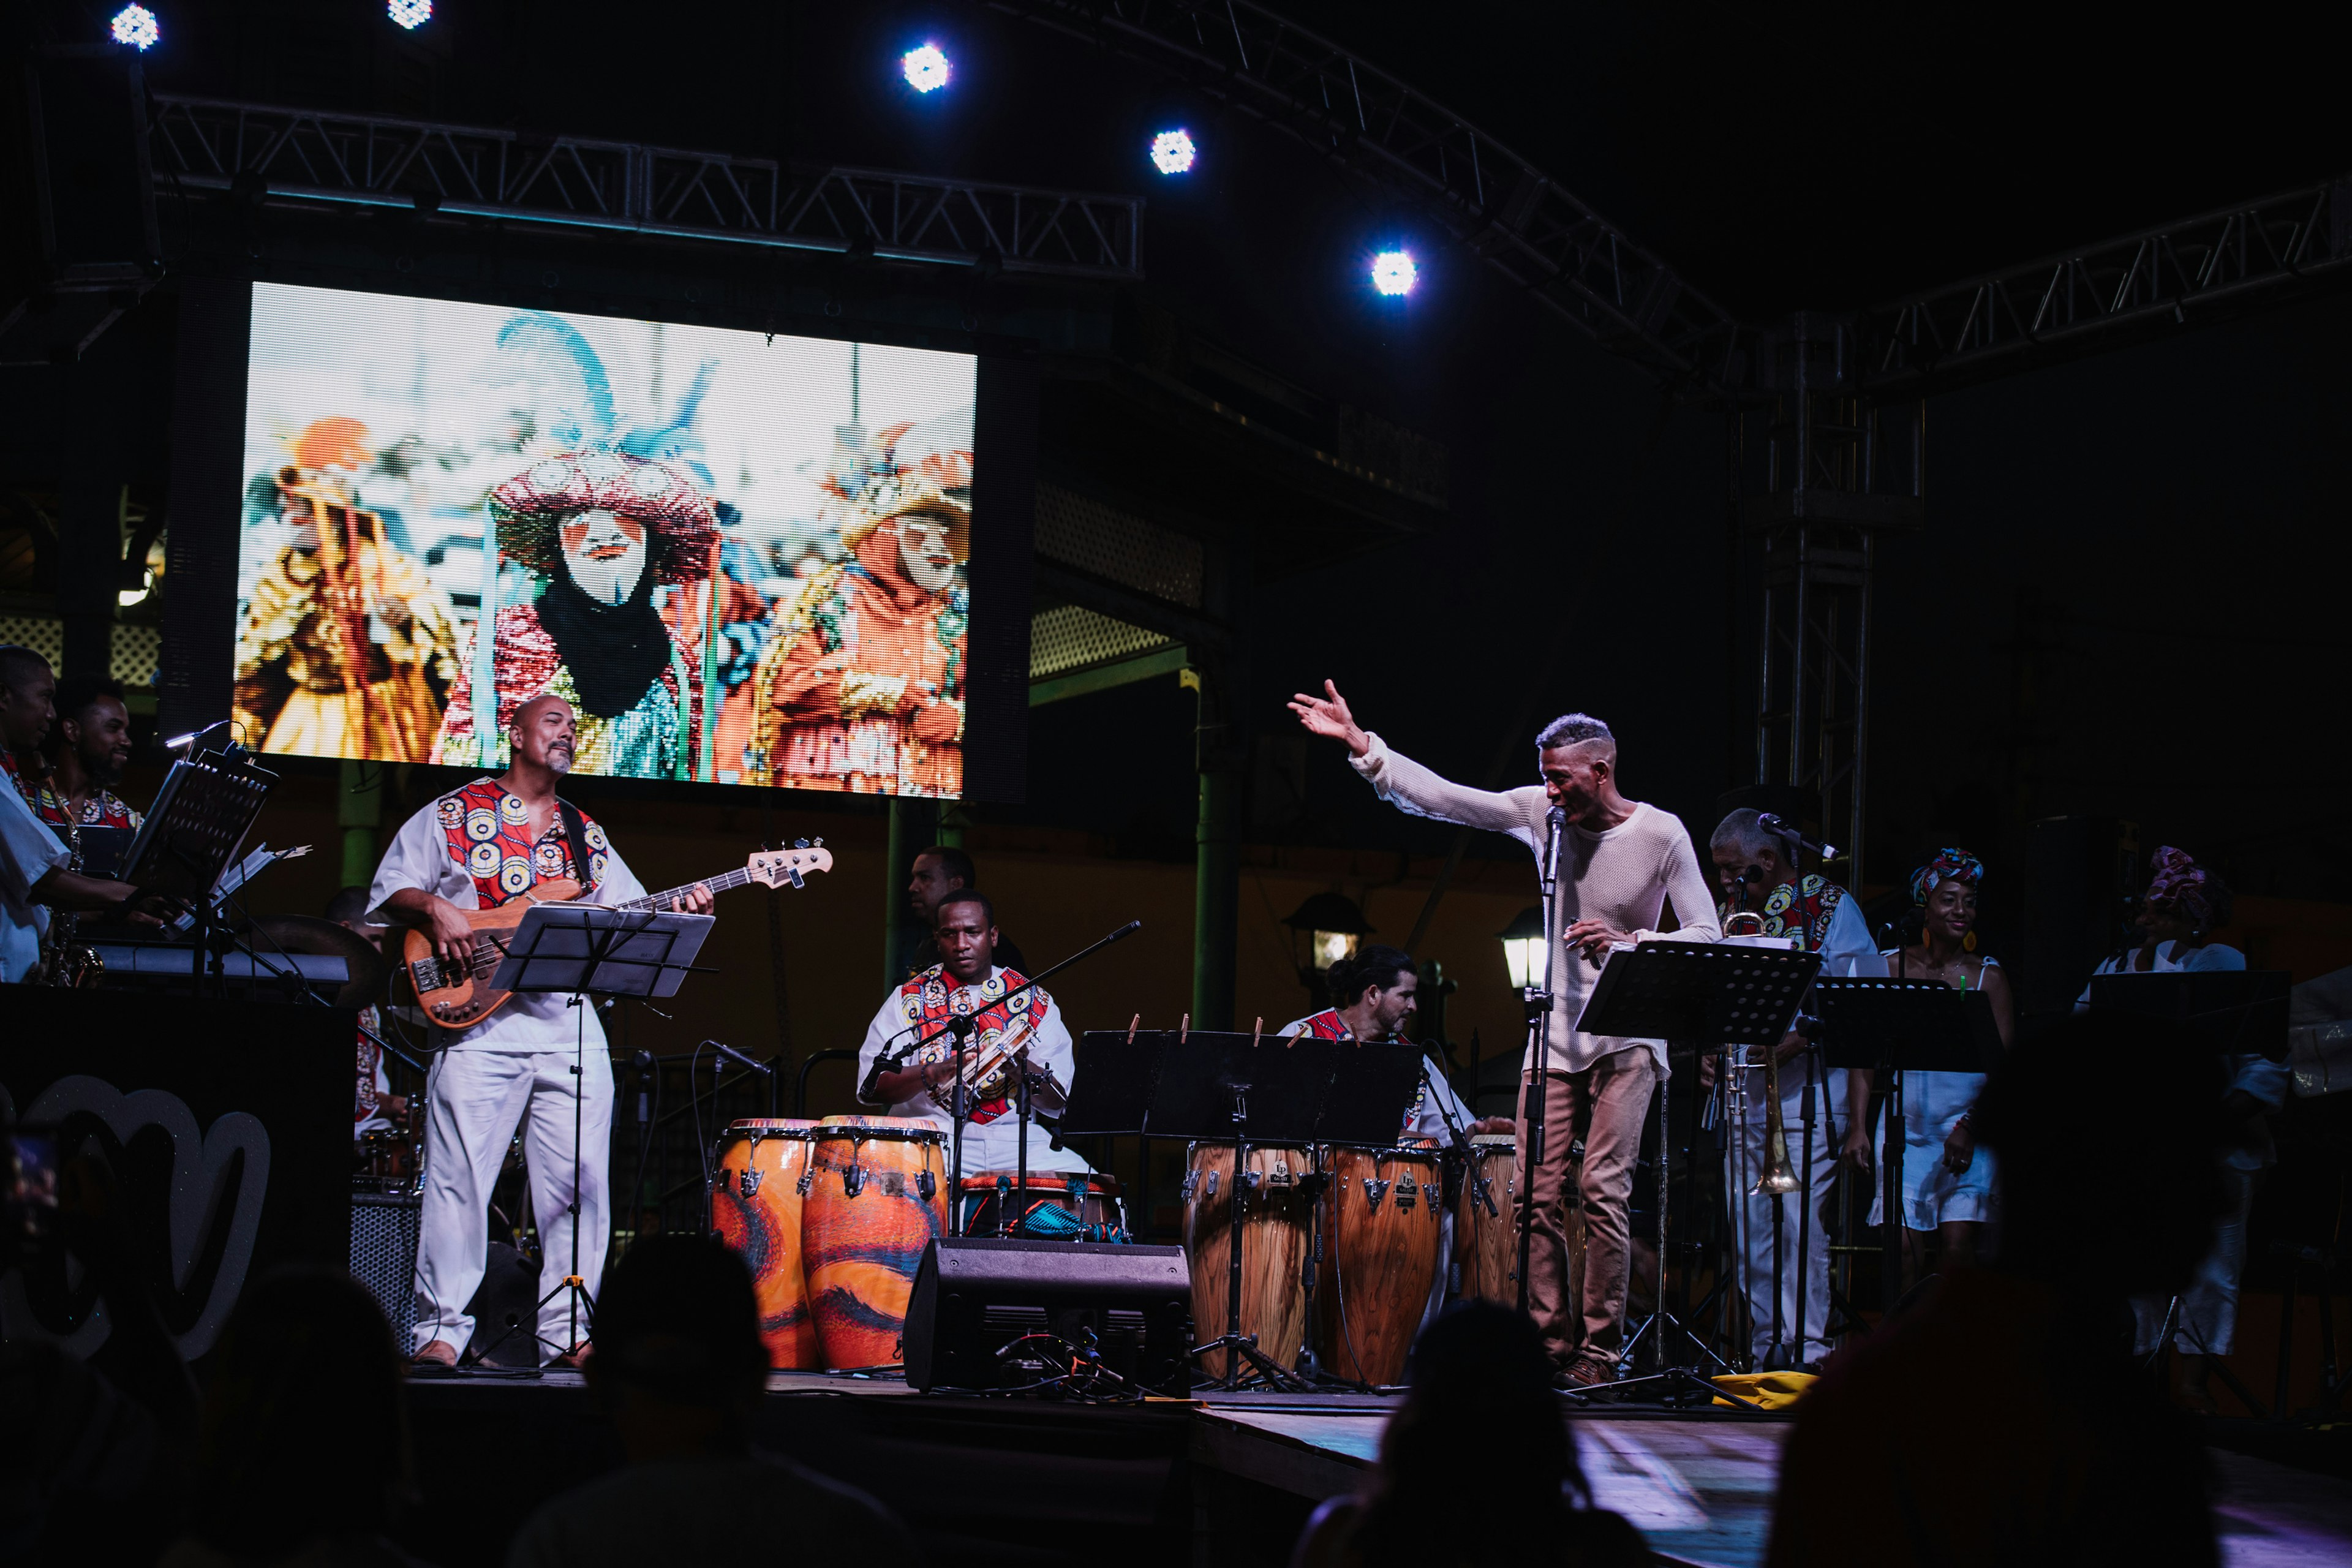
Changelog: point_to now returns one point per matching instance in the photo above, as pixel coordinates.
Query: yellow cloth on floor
(1771, 1390)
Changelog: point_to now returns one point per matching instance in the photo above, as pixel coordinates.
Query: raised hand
(1328, 716)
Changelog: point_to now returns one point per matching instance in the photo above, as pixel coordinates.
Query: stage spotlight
(926, 69)
(135, 26)
(1173, 153)
(409, 15)
(1393, 272)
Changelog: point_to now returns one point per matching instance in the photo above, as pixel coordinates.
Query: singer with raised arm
(1623, 862)
(474, 848)
(1013, 1025)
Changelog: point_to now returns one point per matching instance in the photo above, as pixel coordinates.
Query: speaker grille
(384, 1257)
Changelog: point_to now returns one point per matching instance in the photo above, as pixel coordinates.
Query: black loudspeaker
(384, 1256)
(976, 1301)
(2083, 883)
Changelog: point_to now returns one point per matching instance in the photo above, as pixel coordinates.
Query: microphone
(740, 1059)
(1786, 830)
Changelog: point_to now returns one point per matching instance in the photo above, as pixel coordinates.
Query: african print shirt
(1329, 1025)
(488, 832)
(104, 808)
(1802, 910)
(930, 999)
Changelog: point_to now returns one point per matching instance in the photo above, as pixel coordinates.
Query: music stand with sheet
(1881, 1024)
(199, 820)
(2242, 1012)
(573, 949)
(1211, 1086)
(1699, 997)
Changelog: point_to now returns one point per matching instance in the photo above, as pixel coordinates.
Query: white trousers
(2209, 1307)
(476, 1099)
(1746, 1147)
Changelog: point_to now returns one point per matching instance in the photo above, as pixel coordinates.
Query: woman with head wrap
(1948, 1181)
(2185, 903)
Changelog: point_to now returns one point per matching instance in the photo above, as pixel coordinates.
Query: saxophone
(66, 959)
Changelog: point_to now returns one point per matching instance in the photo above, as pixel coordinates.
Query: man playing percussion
(475, 849)
(968, 982)
(1622, 863)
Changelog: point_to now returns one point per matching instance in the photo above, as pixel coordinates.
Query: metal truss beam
(262, 151)
(1498, 206)
(2095, 297)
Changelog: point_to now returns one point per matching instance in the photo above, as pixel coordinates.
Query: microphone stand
(1539, 1021)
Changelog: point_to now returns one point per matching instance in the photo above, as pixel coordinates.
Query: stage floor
(1219, 1482)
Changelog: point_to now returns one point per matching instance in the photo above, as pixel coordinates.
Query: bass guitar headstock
(787, 867)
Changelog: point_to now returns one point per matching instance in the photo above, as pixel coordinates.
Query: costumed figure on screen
(599, 530)
(968, 981)
(346, 644)
(862, 685)
(1770, 902)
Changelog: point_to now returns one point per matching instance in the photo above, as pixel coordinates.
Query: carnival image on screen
(741, 558)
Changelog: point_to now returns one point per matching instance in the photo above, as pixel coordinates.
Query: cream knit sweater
(1626, 876)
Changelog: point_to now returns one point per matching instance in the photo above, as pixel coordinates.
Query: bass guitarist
(477, 847)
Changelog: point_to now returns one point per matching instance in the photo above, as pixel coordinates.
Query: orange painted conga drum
(1277, 1230)
(1488, 1245)
(1062, 1206)
(1381, 1230)
(755, 1207)
(877, 1199)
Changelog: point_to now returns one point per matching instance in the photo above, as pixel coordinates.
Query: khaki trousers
(1582, 1315)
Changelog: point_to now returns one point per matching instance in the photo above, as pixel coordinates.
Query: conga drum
(755, 1206)
(1062, 1206)
(1276, 1231)
(1488, 1244)
(877, 1197)
(1380, 1230)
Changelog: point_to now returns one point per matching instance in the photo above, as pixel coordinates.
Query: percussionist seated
(1009, 1031)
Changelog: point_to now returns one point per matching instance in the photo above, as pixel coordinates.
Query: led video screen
(743, 558)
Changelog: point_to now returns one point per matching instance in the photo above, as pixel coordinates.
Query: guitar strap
(575, 839)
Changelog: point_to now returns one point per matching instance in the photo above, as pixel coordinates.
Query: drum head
(771, 1127)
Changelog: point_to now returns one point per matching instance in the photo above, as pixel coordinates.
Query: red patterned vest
(489, 833)
(1803, 910)
(927, 1001)
(104, 808)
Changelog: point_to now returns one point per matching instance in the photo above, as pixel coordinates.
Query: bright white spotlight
(135, 26)
(1173, 153)
(410, 14)
(925, 70)
(1393, 272)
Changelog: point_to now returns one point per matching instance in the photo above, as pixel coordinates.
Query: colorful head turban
(2182, 888)
(1949, 865)
(529, 506)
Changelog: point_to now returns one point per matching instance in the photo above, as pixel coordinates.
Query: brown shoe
(572, 1360)
(439, 1354)
(1584, 1372)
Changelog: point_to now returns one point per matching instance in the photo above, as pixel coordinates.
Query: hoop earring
(1968, 940)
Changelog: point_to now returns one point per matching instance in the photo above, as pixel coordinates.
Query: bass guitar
(456, 994)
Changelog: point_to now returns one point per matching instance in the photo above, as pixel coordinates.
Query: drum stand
(1236, 1345)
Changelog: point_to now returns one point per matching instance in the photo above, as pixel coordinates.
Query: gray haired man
(1622, 863)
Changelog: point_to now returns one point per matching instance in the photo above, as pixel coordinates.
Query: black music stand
(1197, 1085)
(2239, 1011)
(199, 820)
(1899, 1026)
(573, 949)
(1699, 997)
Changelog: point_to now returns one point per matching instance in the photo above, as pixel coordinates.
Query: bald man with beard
(475, 849)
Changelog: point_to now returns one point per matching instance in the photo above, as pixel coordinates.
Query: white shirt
(29, 851)
(539, 1021)
(993, 1144)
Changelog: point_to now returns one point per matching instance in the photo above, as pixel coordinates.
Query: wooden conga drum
(1277, 1230)
(877, 1197)
(1488, 1245)
(1381, 1230)
(755, 1206)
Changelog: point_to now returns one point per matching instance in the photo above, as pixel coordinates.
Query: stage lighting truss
(1172, 151)
(409, 15)
(304, 156)
(136, 26)
(925, 68)
(1393, 273)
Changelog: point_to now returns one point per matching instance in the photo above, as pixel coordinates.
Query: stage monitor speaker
(2082, 882)
(975, 1300)
(384, 1256)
